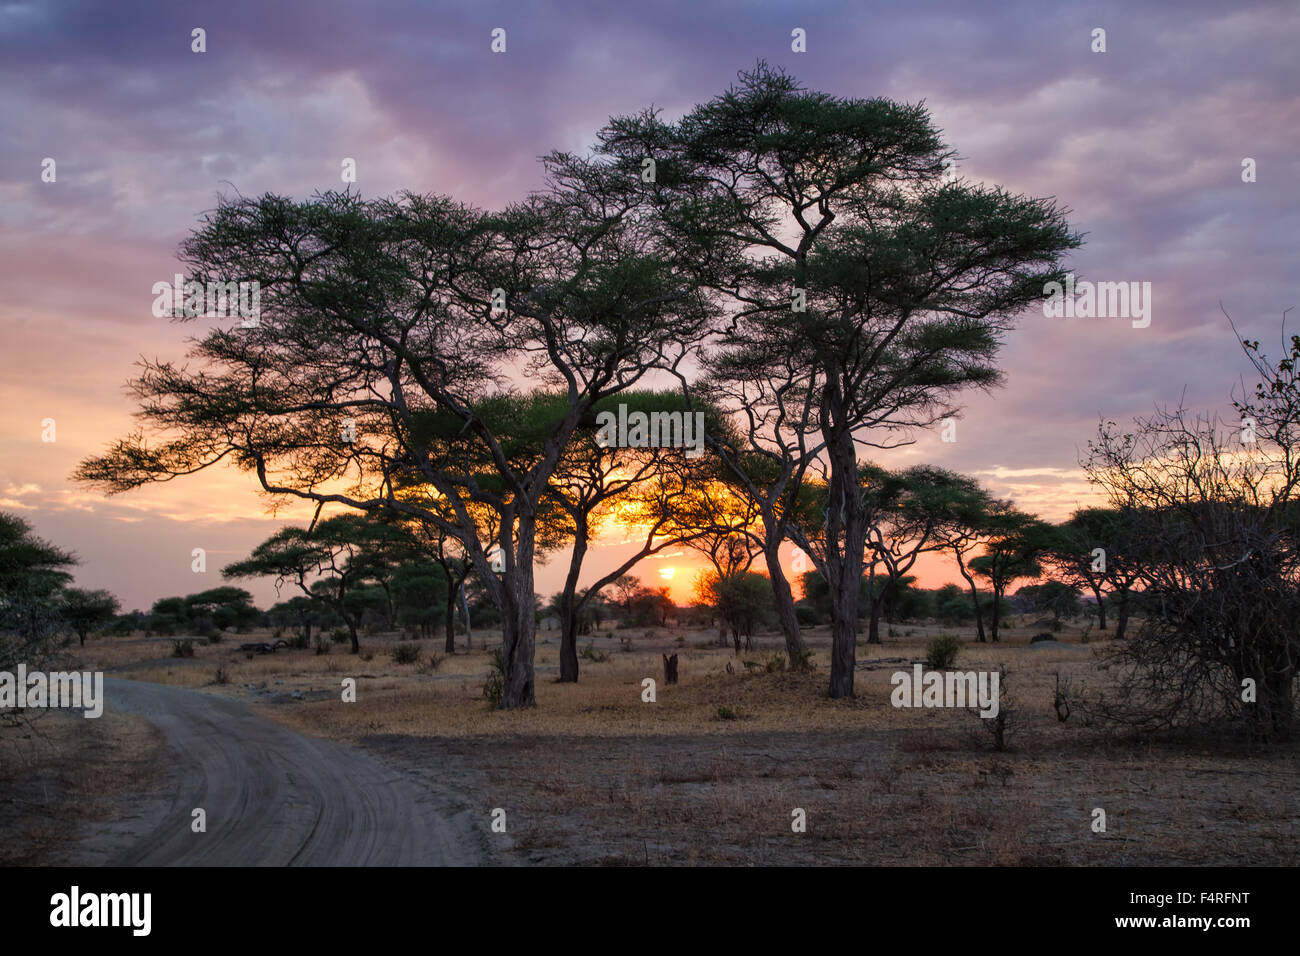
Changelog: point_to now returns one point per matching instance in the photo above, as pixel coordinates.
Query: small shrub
(368, 656)
(751, 665)
(183, 648)
(726, 713)
(322, 646)
(299, 641)
(1042, 636)
(941, 653)
(213, 636)
(406, 654)
(433, 662)
(494, 687)
(1002, 726)
(776, 663)
(591, 654)
(1061, 702)
(802, 661)
(339, 635)
(222, 675)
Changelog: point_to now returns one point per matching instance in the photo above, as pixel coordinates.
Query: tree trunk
(1101, 609)
(352, 633)
(844, 635)
(997, 615)
(449, 618)
(877, 605)
(569, 649)
(846, 541)
(975, 601)
(519, 621)
(464, 610)
(568, 606)
(1121, 617)
(784, 599)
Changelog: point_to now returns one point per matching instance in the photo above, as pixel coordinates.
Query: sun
(667, 573)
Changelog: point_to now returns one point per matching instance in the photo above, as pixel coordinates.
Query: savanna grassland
(712, 771)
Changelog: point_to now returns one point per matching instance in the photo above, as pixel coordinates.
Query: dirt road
(273, 797)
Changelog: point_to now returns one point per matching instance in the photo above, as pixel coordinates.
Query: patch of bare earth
(62, 772)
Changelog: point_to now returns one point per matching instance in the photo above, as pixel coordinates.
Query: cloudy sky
(1143, 142)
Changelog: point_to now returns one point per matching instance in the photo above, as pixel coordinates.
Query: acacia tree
(919, 510)
(378, 315)
(32, 573)
(889, 287)
(86, 610)
(1091, 551)
(974, 517)
(1012, 552)
(447, 551)
(329, 562)
(646, 489)
(766, 452)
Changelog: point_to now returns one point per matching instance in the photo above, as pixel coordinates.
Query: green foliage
(807, 615)
(590, 653)
(726, 713)
(406, 653)
(494, 687)
(941, 653)
(802, 661)
(87, 610)
(743, 601)
(184, 648)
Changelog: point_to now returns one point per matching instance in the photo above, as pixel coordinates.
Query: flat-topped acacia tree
(378, 314)
(870, 291)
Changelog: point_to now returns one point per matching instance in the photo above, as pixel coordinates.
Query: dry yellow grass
(594, 775)
(62, 772)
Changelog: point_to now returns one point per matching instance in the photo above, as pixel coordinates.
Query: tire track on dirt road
(273, 797)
